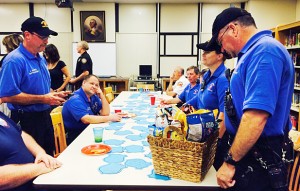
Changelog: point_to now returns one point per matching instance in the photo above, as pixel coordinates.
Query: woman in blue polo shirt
(212, 88)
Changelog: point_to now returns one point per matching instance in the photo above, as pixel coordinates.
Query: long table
(128, 165)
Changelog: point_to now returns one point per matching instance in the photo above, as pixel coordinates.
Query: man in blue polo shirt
(25, 84)
(190, 91)
(21, 159)
(87, 106)
(261, 87)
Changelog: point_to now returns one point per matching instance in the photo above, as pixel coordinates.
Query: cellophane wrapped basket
(185, 160)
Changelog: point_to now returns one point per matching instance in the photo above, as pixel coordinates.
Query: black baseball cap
(37, 25)
(209, 46)
(225, 17)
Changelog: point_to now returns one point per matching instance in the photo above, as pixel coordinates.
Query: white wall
(298, 11)
(177, 18)
(269, 14)
(136, 39)
(12, 16)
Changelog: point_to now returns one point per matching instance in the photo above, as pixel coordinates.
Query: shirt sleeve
(61, 64)
(183, 95)
(77, 109)
(193, 102)
(11, 77)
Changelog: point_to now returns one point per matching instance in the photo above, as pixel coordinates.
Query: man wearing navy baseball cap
(257, 104)
(37, 25)
(25, 84)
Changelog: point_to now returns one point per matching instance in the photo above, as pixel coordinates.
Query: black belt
(262, 141)
(21, 111)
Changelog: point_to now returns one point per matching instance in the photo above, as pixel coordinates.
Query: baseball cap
(225, 17)
(37, 25)
(209, 46)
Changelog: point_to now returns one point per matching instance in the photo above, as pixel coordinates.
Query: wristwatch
(228, 159)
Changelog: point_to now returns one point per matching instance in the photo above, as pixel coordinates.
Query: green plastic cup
(98, 134)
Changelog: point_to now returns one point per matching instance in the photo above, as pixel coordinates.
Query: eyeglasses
(219, 41)
(41, 37)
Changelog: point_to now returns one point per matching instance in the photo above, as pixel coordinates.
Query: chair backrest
(108, 90)
(149, 87)
(59, 133)
(109, 97)
(57, 109)
(294, 179)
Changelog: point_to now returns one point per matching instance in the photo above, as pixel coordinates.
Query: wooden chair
(109, 94)
(59, 133)
(109, 97)
(294, 179)
(149, 87)
(57, 109)
(108, 90)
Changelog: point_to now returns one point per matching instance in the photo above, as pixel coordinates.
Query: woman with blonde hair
(11, 42)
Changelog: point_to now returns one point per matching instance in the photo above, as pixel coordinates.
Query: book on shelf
(292, 39)
(293, 120)
(296, 98)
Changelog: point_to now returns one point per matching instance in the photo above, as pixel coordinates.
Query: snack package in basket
(182, 117)
(155, 131)
(200, 126)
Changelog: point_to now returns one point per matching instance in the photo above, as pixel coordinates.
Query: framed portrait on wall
(2, 47)
(92, 25)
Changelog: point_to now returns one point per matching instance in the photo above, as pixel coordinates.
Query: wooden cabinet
(165, 83)
(289, 36)
(118, 84)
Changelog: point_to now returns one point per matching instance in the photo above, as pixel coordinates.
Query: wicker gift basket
(181, 159)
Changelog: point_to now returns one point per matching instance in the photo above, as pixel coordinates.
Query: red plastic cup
(152, 100)
(118, 110)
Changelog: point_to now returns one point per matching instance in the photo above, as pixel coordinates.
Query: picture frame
(2, 47)
(92, 24)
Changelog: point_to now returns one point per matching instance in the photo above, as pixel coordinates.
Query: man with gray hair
(180, 82)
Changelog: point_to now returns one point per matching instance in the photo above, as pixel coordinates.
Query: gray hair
(84, 45)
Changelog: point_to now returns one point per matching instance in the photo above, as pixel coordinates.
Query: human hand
(63, 94)
(99, 92)
(72, 81)
(115, 117)
(56, 98)
(164, 101)
(172, 77)
(48, 160)
(225, 175)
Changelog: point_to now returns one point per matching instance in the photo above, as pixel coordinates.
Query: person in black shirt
(57, 69)
(84, 66)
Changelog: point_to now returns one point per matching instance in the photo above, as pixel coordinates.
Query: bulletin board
(103, 56)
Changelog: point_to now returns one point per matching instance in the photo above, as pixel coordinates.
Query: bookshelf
(118, 84)
(165, 83)
(289, 36)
